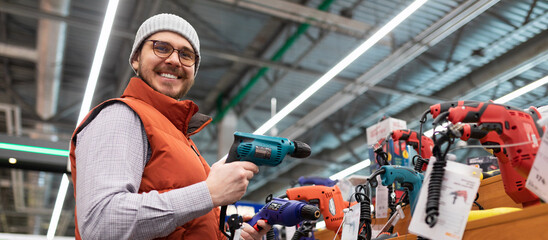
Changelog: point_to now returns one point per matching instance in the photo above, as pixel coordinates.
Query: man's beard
(187, 82)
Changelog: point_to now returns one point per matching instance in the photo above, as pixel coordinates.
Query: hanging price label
(536, 181)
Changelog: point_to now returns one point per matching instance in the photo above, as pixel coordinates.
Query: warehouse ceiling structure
(257, 56)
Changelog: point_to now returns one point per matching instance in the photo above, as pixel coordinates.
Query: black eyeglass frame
(179, 52)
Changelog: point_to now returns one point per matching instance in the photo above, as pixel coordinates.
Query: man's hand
(249, 233)
(227, 183)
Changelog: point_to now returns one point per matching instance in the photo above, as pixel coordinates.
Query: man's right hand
(228, 182)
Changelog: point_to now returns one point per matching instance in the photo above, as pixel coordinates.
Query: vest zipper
(191, 146)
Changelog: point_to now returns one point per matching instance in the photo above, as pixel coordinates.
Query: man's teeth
(167, 75)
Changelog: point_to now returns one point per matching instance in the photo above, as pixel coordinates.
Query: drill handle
(254, 220)
(233, 152)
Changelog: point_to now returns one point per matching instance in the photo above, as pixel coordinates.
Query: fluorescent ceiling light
(340, 66)
(86, 103)
(98, 58)
(523, 90)
(34, 149)
(58, 206)
(352, 169)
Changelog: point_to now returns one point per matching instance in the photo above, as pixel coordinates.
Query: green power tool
(265, 150)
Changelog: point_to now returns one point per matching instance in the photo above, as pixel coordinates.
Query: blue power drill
(407, 177)
(265, 150)
(285, 212)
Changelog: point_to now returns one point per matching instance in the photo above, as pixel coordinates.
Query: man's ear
(135, 60)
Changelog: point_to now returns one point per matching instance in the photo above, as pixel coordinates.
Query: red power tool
(437, 109)
(516, 128)
(514, 183)
(328, 199)
(412, 138)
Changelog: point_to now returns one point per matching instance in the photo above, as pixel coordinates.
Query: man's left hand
(249, 233)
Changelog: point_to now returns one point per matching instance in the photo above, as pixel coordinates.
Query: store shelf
(492, 195)
(528, 223)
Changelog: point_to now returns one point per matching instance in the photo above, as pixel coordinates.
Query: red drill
(515, 127)
(514, 184)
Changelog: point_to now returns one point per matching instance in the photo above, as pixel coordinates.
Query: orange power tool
(328, 199)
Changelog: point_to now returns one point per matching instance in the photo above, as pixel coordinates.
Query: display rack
(528, 223)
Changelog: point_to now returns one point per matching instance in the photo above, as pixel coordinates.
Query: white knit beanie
(167, 22)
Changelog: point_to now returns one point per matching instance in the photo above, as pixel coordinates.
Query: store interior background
(446, 50)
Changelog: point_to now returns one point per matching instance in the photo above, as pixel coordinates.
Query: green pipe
(221, 111)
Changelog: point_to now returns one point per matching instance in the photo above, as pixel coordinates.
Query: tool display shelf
(529, 223)
(376, 224)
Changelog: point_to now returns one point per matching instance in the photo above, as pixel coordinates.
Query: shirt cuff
(190, 202)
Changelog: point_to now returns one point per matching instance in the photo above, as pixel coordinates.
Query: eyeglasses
(163, 49)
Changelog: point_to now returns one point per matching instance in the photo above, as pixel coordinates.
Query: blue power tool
(265, 150)
(407, 177)
(303, 181)
(285, 212)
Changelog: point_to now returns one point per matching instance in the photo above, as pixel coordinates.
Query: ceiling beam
(18, 52)
(303, 14)
(35, 13)
(403, 55)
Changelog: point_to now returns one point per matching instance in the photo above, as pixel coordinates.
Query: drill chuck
(309, 212)
(285, 212)
(302, 150)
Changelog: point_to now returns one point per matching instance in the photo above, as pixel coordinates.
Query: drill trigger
(407, 185)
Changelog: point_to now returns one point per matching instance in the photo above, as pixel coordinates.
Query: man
(136, 172)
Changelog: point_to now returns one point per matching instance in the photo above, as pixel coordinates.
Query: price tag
(536, 181)
(351, 223)
(290, 231)
(459, 187)
(381, 208)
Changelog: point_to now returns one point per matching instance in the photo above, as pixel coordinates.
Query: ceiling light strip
(98, 58)
(58, 206)
(352, 169)
(523, 90)
(345, 62)
(34, 149)
(86, 104)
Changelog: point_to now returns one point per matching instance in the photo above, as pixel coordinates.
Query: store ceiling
(447, 50)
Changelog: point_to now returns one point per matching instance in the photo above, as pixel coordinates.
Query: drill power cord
(477, 204)
(420, 161)
(436, 177)
(305, 228)
(492, 146)
(362, 197)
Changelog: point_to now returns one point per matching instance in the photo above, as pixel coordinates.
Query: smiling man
(137, 173)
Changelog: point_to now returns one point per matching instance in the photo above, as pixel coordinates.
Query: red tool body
(514, 183)
(516, 128)
(436, 109)
(412, 138)
(329, 200)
